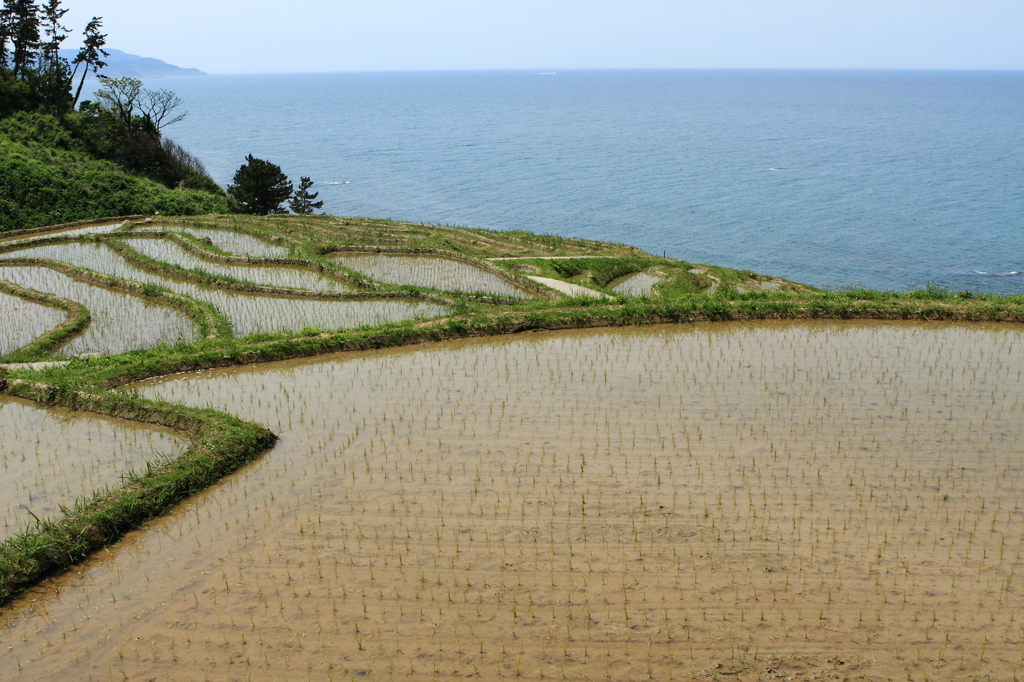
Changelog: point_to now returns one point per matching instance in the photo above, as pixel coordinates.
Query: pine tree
(260, 187)
(91, 54)
(302, 202)
(24, 34)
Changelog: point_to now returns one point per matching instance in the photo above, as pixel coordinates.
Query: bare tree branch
(159, 106)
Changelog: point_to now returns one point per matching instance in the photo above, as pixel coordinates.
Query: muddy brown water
(52, 457)
(800, 501)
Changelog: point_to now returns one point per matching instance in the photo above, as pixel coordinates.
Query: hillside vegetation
(48, 176)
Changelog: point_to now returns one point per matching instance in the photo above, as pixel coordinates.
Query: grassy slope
(45, 179)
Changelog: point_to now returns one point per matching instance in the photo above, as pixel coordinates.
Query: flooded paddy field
(430, 272)
(53, 457)
(120, 322)
(228, 240)
(66, 232)
(799, 500)
(247, 313)
(269, 275)
(24, 321)
(637, 284)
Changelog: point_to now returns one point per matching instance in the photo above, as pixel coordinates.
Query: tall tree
(6, 30)
(260, 187)
(55, 33)
(53, 72)
(302, 202)
(24, 32)
(91, 54)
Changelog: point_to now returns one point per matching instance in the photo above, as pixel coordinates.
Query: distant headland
(121, 64)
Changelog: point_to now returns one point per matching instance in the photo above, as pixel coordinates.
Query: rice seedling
(24, 321)
(270, 275)
(247, 313)
(230, 241)
(430, 272)
(798, 499)
(59, 231)
(120, 322)
(51, 458)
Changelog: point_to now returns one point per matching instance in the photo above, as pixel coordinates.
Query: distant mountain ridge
(121, 64)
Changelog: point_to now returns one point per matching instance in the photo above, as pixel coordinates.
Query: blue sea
(892, 179)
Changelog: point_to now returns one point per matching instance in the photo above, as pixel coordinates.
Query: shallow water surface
(625, 503)
(53, 457)
(24, 321)
(269, 275)
(120, 322)
(229, 241)
(68, 232)
(636, 284)
(434, 273)
(247, 313)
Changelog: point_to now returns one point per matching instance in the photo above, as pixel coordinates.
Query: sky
(269, 36)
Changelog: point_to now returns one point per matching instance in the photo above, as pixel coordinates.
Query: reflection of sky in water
(247, 314)
(433, 273)
(120, 322)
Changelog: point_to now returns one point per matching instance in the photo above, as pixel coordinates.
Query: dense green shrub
(42, 184)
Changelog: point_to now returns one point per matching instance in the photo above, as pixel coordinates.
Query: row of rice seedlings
(637, 284)
(24, 321)
(270, 275)
(120, 322)
(230, 241)
(615, 505)
(51, 458)
(66, 232)
(430, 272)
(247, 313)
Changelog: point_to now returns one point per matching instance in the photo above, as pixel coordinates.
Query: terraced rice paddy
(53, 457)
(120, 322)
(247, 313)
(799, 501)
(637, 284)
(24, 321)
(71, 232)
(430, 272)
(229, 241)
(269, 275)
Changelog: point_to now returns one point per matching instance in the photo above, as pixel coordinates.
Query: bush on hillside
(45, 185)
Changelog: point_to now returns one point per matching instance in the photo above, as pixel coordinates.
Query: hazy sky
(260, 36)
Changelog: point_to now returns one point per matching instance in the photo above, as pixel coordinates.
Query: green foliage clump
(48, 177)
(260, 187)
(304, 202)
